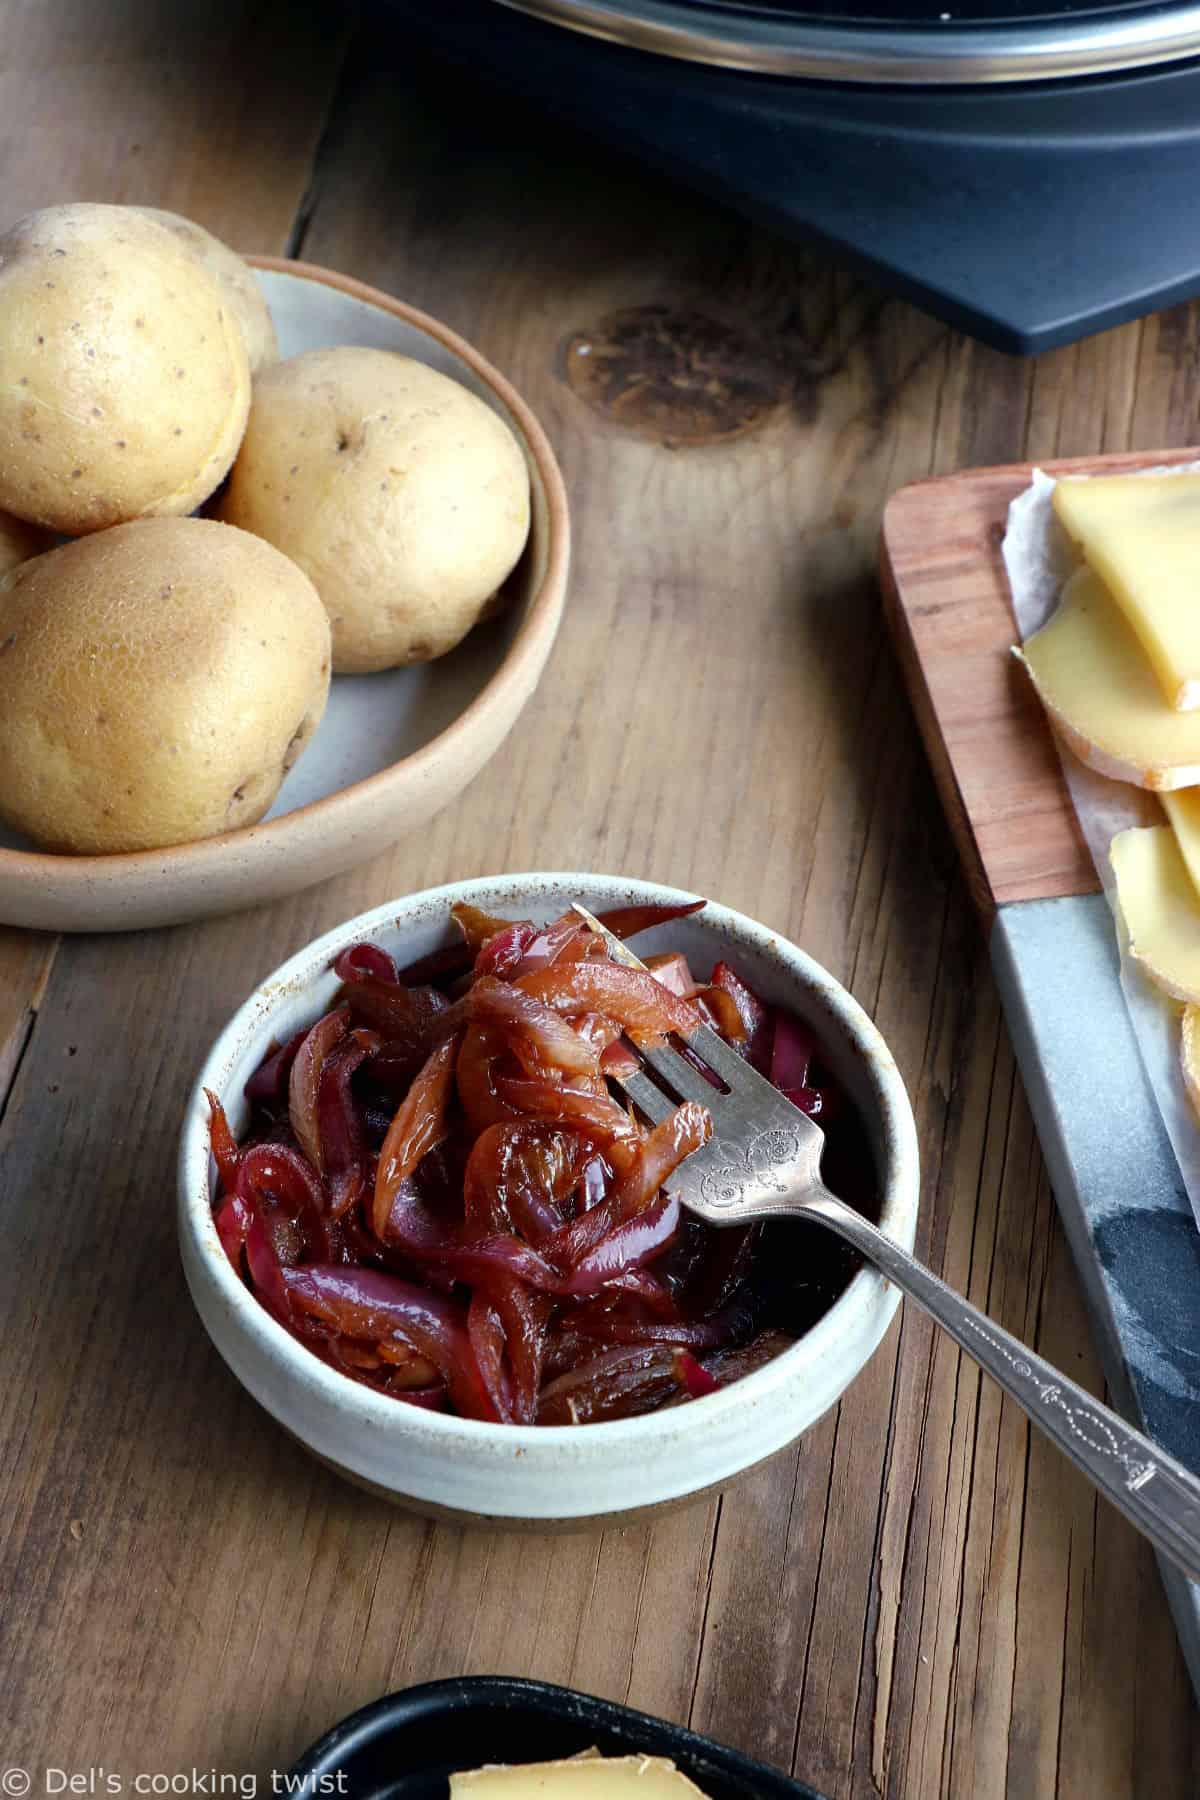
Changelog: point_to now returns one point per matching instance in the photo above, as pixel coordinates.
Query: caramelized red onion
(440, 1196)
(365, 1304)
(268, 1085)
(305, 1079)
(632, 998)
(611, 1386)
(420, 1125)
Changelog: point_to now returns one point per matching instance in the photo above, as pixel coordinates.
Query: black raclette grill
(1029, 211)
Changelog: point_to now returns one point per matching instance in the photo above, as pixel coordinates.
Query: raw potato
(19, 541)
(124, 384)
(156, 683)
(401, 494)
(235, 279)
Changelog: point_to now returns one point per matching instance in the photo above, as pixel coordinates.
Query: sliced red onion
(500, 1004)
(305, 1080)
(525, 1315)
(418, 1126)
(486, 1333)
(437, 969)
(518, 1177)
(233, 1222)
(478, 927)
(368, 1305)
(693, 1376)
(597, 1117)
(618, 1061)
(339, 1122)
(731, 1326)
(362, 960)
(627, 921)
(499, 1253)
(411, 1226)
(639, 1284)
(564, 941)
(657, 1157)
(413, 1018)
(502, 954)
(266, 1271)
(611, 1386)
(755, 1040)
(630, 1245)
(810, 1100)
(674, 972)
(275, 1180)
(791, 1052)
(726, 1014)
(594, 1183)
(631, 997)
(269, 1083)
(222, 1142)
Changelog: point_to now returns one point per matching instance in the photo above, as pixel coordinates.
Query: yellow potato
(124, 383)
(401, 494)
(19, 541)
(157, 681)
(233, 277)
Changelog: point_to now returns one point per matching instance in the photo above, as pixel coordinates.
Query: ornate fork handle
(1156, 1492)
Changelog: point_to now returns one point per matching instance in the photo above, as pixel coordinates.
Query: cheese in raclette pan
(1141, 534)
(1160, 908)
(580, 1778)
(1095, 682)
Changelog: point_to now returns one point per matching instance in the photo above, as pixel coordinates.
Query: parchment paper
(1038, 557)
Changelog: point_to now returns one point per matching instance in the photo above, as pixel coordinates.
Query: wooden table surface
(920, 1598)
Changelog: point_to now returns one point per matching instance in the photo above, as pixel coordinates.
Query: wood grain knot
(674, 375)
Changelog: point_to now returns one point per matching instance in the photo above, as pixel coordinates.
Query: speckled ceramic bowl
(543, 1475)
(393, 748)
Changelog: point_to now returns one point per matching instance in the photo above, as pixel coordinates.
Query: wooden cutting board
(1123, 1206)
(947, 601)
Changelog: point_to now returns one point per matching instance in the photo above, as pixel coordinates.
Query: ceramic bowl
(546, 1475)
(393, 748)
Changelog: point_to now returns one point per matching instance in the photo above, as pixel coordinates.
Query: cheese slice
(1095, 682)
(1141, 534)
(1183, 810)
(580, 1778)
(1190, 1055)
(1160, 908)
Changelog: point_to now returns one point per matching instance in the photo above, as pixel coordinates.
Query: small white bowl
(547, 1475)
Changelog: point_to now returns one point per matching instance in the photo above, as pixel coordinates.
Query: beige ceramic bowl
(566, 1474)
(393, 748)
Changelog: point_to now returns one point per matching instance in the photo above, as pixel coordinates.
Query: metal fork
(763, 1162)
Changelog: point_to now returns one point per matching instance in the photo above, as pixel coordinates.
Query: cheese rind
(1189, 1055)
(1141, 534)
(1094, 680)
(580, 1778)
(1160, 908)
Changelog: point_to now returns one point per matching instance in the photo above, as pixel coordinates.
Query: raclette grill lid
(894, 41)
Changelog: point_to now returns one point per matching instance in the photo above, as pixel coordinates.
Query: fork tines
(734, 1076)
